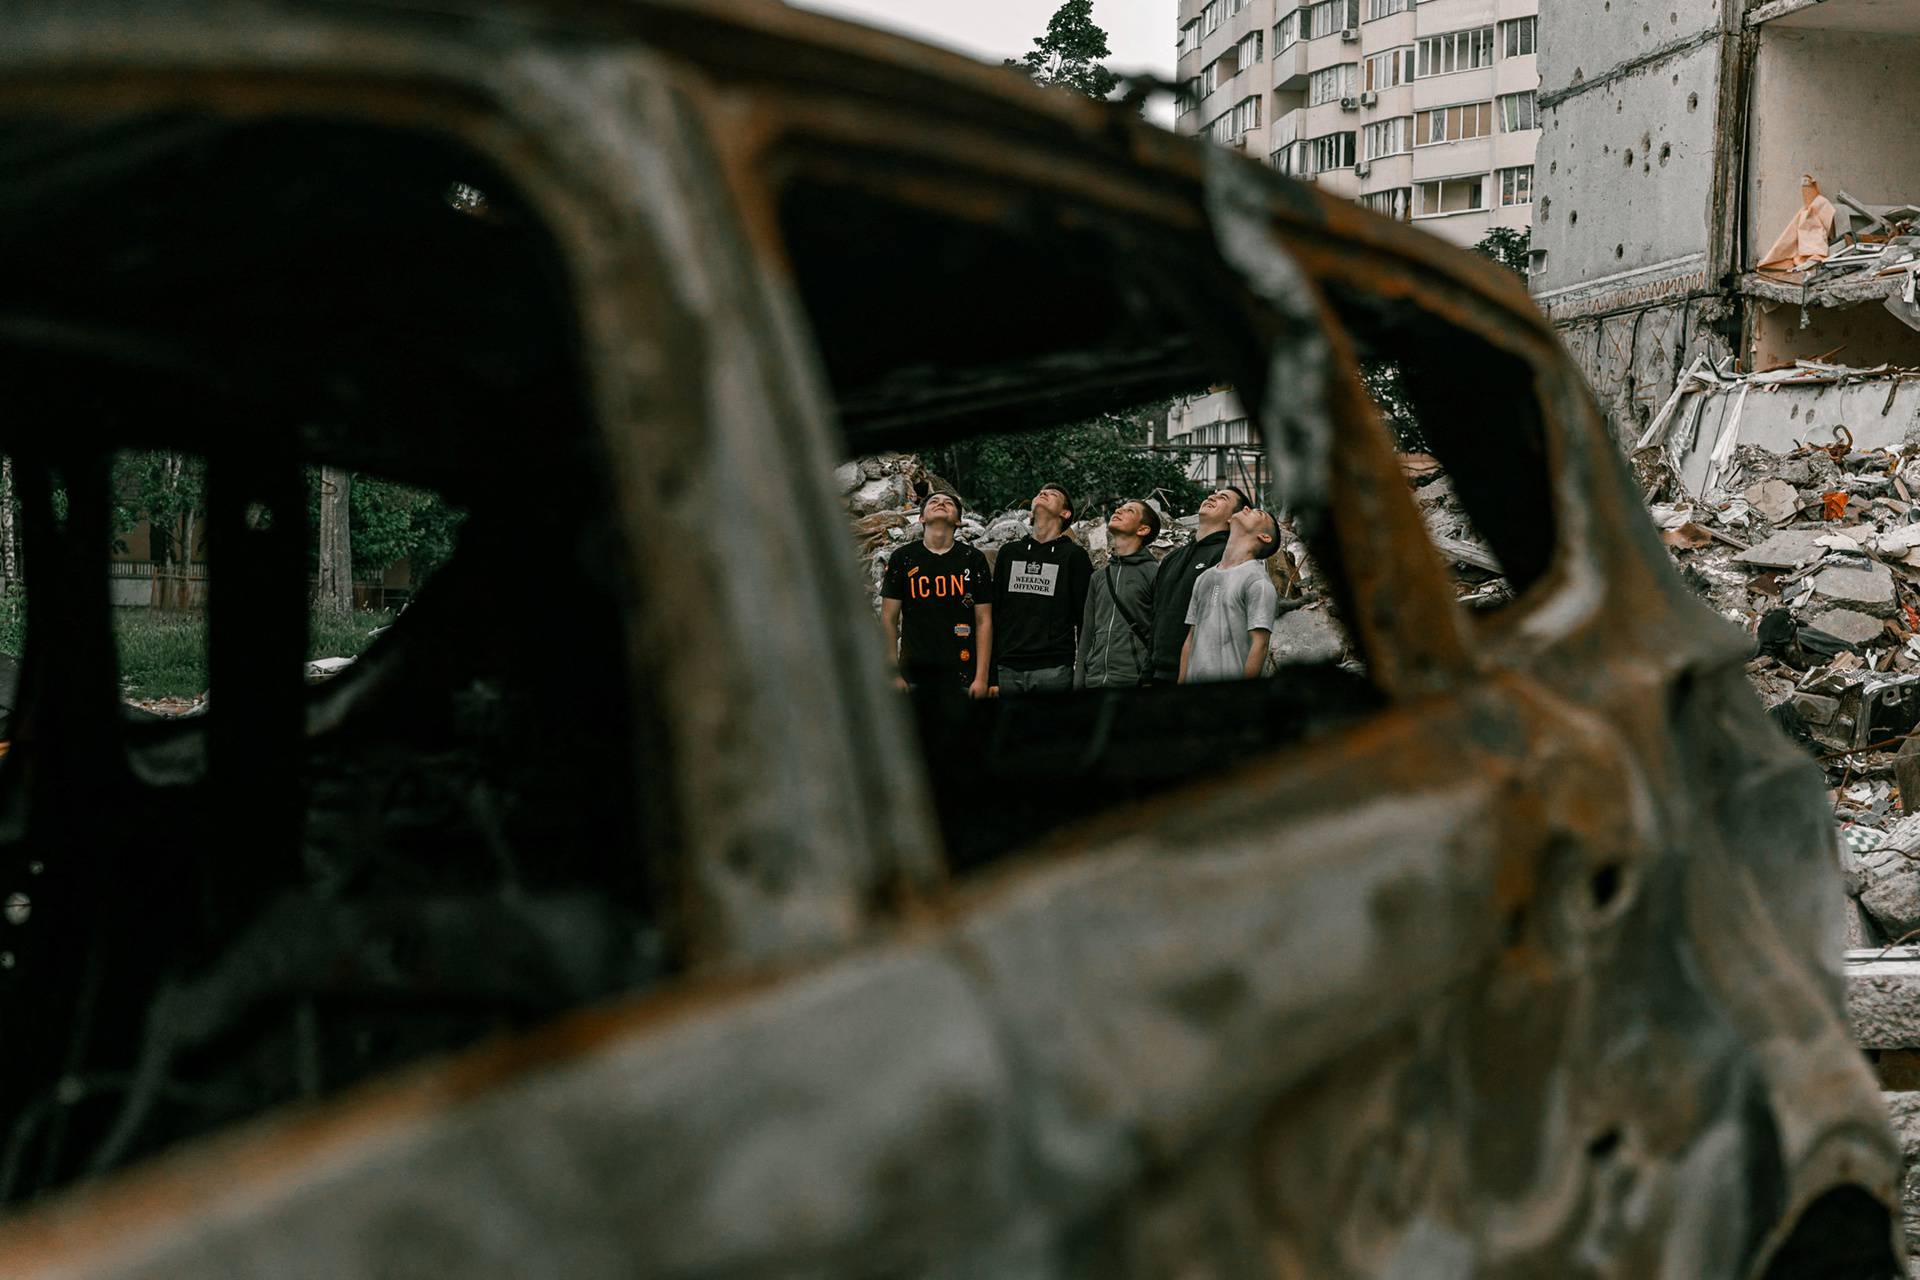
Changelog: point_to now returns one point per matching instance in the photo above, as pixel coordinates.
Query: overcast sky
(1140, 32)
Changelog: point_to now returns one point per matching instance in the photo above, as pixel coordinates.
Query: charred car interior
(658, 937)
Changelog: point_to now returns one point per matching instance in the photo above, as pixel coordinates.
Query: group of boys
(1040, 619)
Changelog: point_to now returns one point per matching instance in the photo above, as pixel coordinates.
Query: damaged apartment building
(1724, 229)
(1425, 112)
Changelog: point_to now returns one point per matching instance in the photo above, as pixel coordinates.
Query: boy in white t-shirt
(1230, 617)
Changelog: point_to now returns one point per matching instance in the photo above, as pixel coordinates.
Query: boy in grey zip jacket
(1116, 629)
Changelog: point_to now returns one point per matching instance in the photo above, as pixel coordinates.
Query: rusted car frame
(1525, 973)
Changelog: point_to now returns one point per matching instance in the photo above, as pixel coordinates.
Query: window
(1385, 8)
(1456, 51)
(1235, 6)
(1388, 138)
(1210, 18)
(1516, 185)
(1519, 111)
(1209, 78)
(1233, 432)
(1189, 38)
(1316, 155)
(1330, 17)
(1334, 151)
(1332, 83)
(1453, 124)
(1190, 95)
(1517, 36)
(1450, 195)
(1250, 50)
(1286, 31)
(1385, 70)
(1236, 120)
(1396, 204)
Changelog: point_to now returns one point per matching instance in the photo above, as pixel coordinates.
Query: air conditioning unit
(1362, 169)
(1349, 104)
(1349, 34)
(1369, 98)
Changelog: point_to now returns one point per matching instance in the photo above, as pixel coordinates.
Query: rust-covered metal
(1525, 965)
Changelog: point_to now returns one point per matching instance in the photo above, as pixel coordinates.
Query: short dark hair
(1065, 497)
(959, 507)
(1266, 549)
(1149, 517)
(1241, 494)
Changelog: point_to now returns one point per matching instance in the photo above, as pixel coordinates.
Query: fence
(147, 584)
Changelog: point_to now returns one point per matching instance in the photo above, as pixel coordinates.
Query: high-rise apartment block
(1423, 111)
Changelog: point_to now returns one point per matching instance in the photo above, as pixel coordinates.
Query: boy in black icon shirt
(936, 605)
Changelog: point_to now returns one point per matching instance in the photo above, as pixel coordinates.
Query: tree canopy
(1070, 53)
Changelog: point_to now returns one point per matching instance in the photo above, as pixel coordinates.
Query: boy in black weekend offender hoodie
(1039, 593)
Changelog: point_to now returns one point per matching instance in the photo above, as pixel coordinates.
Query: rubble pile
(1847, 251)
(1874, 253)
(1479, 581)
(1816, 555)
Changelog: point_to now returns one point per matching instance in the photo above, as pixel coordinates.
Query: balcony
(1290, 68)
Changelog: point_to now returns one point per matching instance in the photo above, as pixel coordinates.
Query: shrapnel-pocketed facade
(1678, 137)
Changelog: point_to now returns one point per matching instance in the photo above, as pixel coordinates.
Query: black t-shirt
(937, 592)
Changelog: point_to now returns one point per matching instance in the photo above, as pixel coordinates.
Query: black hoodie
(1039, 593)
(1172, 590)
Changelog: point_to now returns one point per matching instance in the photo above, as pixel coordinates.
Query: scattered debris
(1828, 587)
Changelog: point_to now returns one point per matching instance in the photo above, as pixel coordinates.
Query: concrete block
(1788, 549)
(1847, 625)
(1774, 500)
(1889, 883)
(1883, 998)
(1306, 637)
(1869, 590)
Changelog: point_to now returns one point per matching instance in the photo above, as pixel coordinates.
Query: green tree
(1069, 53)
(1507, 247)
(1101, 462)
(394, 522)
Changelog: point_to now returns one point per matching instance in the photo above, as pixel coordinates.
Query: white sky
(1140, 32)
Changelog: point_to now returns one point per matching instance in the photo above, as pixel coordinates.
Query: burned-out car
(606, 918)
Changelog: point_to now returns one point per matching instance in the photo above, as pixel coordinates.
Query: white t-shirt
(1228, 606)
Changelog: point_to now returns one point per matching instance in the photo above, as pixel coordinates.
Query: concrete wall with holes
(1624, 171)
(1631, 360)
(1581, 40)
(1835, 105)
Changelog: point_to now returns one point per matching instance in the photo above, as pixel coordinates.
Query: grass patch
(164, 655)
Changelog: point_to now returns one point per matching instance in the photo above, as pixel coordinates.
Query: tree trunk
(333, 589)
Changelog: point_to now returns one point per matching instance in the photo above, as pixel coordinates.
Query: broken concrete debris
(1833, 606)
(1849, 254)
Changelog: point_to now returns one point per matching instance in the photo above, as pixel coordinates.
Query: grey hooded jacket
(1111, 655)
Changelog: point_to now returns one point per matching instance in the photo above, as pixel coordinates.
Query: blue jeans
(1039, 680)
